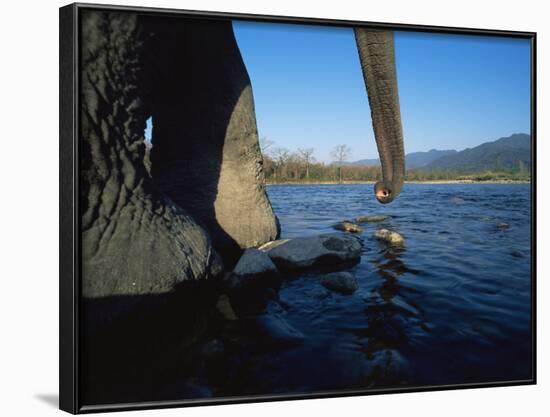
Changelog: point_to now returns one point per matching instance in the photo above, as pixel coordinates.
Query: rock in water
(274, 331)
(341, 282)
(251, 301)
(389, 236)
(252, 283)
(333, 250)
(457, 200)
(224, 307)
(503, 226)
(371, 219)
(255, 269)
(213, 349)
(346, 226)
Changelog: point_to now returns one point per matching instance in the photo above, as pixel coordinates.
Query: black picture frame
(69, 232)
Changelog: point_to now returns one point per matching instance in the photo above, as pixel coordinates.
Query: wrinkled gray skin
(144, 234)
(206, 153)
(377, 56)
(135, 240)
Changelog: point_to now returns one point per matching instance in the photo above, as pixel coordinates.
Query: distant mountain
(421, 159)
(502, 154)
(412, 160)
(365, 162)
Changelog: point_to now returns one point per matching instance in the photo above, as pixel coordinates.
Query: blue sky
(455, 91)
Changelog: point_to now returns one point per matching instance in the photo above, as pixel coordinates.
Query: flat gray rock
(326, 250)
(255, 270)
(341, 282)
(254, 262)
(253, 283)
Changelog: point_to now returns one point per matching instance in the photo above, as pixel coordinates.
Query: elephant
(159, 229)
(204, 200)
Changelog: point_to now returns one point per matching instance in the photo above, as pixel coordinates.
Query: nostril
(383, 193)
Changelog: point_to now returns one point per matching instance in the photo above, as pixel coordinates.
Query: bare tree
(280, 156)
(265, 144)
(340, 154)
(306, 154)
(269, 165)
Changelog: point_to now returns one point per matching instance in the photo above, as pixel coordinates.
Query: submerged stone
(457, 200)
(253, 283)
(389, 236)
(276, 332)
(213, 349)
(347, 226)
(371, 219)
(225, 309)
(341, 282)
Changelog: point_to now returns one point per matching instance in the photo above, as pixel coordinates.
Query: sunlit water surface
(453, 305)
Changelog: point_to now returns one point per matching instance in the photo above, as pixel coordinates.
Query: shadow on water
(387, 313)
(148, 351)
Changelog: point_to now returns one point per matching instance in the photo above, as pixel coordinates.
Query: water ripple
(450, 306)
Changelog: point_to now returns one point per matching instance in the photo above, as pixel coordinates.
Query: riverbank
(406, 182)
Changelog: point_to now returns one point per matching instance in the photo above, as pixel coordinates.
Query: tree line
(284, 166)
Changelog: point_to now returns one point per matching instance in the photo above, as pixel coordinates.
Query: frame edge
(534, 138)
(68, 389)
(68, 203)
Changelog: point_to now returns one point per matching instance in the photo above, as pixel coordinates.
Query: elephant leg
(206, 154)
(135, 241)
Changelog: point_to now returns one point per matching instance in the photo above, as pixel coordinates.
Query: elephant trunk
(376, 53)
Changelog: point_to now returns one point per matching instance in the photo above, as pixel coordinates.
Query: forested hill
(509, 153)
(505, 159)
(421, 159)
(412, 160)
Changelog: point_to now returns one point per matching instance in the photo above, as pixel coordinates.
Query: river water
(451, 306)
